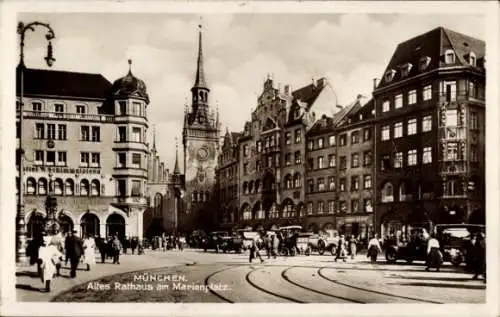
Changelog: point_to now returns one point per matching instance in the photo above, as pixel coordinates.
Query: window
(405, 69)
(277, 160)
(245, 168)
(449, 90)
(37, 106)
(331, 160)
(288, 159)
(30, 186)
(42, 186)
(389, 75)
(412, 127)
(51, 158)
(259, 146)
(342, 184)
(412, 97)
(398, 101)
(472, 59)
(298, 158)
(473, 153)
(454, 187)
(122, 134)
(368, 205)
(80, 109)
(288, 210)
(298, 135)
(452, 151)
(320, 162)
(331, 183)
(310, 185)
(343, 163)
(320, 143)
(61, 132)
(331, 140)
(472, 89)
(136, 109)
(424, 63)
(94, 188)
(367, 182)
(412, 157)
(51, 131)
(367, 134)
(427, 155)
(245, 150)
(288, 138)
(273, 141)
(40, 130)
(309, 208)
(343, 140)
(354, 206)
(136, 134)
(386, 106)
(58, 108)
(426, 123)
(61, 158)
(449, 57)
(427, 92)
(122, 188)
(354, 184)
(96, 134)
(69, 187)
(84, 133)
(321, 207)
(355, 137)
(310, 163)
(387, 193)
(84, 187)
(288, 181)
(84, 159)
(355, 160)
(39, 157)
(385, 163)
(310, 145)
(451, 118)
(331, 206)
(136, 188)
(398, 160)
(342, 206)
(321, 185)
(122, 105)
(386, 133)
(297, 180)
(96, 160)
(398, 130)
(367, 158)
(122, 160)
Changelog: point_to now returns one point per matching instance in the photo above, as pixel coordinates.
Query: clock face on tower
(202, 153)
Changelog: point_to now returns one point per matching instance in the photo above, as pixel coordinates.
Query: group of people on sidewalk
(168, 242)
(50, 251)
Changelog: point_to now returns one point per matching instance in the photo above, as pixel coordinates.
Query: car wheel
(333, 249)
(321, 247)
(390, 256)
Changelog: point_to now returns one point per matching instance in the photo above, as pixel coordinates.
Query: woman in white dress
(48, 257)
(89, 251)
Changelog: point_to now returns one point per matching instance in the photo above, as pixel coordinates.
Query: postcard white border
(8, 59)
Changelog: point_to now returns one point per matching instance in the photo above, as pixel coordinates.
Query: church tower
(201, 149)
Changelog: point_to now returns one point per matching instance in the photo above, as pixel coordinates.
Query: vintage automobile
(288, 239)
(232, 243)
(247, 236)
(415, 249)
(456, 242)
(302, 245)
(214, 240)
(327, 241)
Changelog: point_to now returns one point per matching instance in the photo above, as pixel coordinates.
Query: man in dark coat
(101, 245)
(74, 250)
(116, 246)
(480, 257)
(133, 244)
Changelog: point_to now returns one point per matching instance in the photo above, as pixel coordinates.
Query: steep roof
(432, 44)
(309, 93)
(63, 84)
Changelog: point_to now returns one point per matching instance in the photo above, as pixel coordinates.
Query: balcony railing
(69, 116)
(453, 133)
(453, 167)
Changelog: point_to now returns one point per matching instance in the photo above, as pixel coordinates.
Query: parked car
(415, 249)
(232, 243)
(327, 241)
(214, 240)
(302, 244)
(288, 236)
(456, 242)
(247, 236)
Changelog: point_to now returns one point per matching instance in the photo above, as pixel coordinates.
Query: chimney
(375, 82)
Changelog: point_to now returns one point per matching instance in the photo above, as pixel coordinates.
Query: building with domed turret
(85, 142)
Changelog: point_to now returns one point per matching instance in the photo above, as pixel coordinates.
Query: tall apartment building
(84, 140)
(430, 130)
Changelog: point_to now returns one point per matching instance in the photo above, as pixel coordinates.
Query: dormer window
(424, 63)
(405, 69)
(389, 75)
(449, 57)
(472, 59)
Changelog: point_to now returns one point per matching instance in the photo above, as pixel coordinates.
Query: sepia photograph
(240, 156)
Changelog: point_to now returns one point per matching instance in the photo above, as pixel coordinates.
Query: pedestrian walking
(254, 251)
(57, 240)
(126, 243)
(373, 249)
(479, 257)
(341, 249)
(275, 243)
(74, 250)
(434, 256)
(133, 244)
(102, 246)
(89, 251)
(268, 245)
(48, 257)
(353, 244)
(116, 246)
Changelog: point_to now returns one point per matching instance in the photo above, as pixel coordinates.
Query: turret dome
(129, 85)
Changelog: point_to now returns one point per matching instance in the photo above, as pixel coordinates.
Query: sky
(240, 50)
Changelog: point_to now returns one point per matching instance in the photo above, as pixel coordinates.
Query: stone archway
(35, 225)
(66, 224)
(90, 225)
(115, 225)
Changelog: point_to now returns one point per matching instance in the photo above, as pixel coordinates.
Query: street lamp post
(20, 223)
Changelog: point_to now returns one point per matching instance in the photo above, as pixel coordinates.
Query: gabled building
(429, 133)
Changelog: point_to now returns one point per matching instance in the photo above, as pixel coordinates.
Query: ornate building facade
(430, 133)
(84, 140)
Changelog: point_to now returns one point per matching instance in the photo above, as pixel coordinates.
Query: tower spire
(176, 165)
(200, 72)
(130, 66)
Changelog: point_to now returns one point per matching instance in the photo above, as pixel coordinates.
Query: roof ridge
(63, 71)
